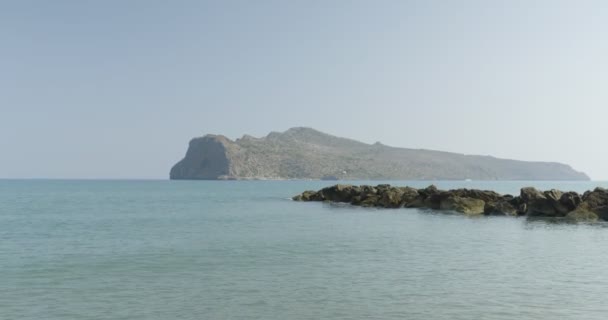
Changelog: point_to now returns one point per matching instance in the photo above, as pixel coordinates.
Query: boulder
(431, 197)
(340, 193)
(485, 195)
(434, 201)
(502, 208)
(368, 191)
(410, 197)
(308, 196)
(554, 197)
(382, 187)
(582, 215)
(596, 198)
(468, 206)
(491, 198)
(368, 196)
(517, 203)
(425, 198)
(426, 192)
(602, 212)
(522, 209)
(596, 202)
(570, 200)
(391, 197)
(370, 201)
(542, 204)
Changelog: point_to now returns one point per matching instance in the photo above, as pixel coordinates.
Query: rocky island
(304, 153)
(590, 206)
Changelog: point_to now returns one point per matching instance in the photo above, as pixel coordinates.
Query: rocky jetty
(590, 206)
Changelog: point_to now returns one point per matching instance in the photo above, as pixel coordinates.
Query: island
(305, 153)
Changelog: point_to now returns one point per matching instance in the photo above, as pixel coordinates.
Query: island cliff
(304, 153)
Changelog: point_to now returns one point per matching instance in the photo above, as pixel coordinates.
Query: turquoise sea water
(242, 250)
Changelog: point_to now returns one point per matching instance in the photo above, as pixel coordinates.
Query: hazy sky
(116, 89)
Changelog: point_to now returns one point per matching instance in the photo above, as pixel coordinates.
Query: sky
(116, 89)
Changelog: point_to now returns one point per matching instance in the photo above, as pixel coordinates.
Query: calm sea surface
(242, 250)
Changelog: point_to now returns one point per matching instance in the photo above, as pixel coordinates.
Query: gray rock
(503, 208)
(582, 215)
(596, 198)
(410, 197)
(391, 197)
(370, 201)
(340, 193)
(570, 200)
(468, 206)
(543, 204)
(308, 196)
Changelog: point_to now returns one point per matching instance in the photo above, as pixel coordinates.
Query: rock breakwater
(589, 206)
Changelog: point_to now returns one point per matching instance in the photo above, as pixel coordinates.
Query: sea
(85, 249)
